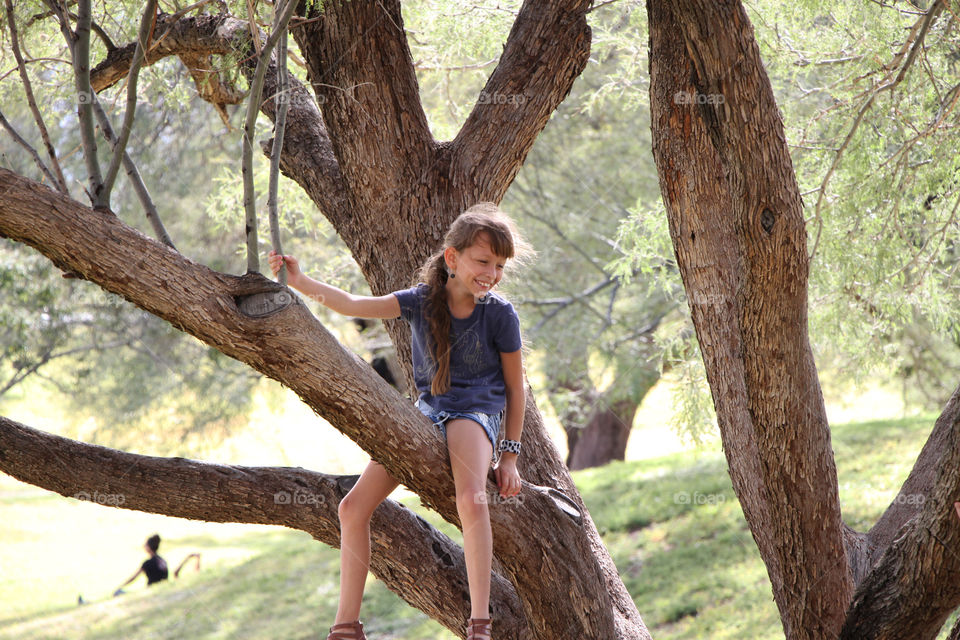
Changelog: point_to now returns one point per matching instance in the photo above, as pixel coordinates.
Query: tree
(363, 152)
(737, 225)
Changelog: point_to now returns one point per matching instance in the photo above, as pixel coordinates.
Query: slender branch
(96, 28)
(928, 19)
(60, 182)
(147, 21)
(282, 99)
(253, 108)
(26, 145)
(143, 194)
(80, 48)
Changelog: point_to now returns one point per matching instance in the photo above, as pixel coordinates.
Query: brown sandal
(478, 629)
(337, 630)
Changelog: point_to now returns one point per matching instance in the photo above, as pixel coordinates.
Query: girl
(468, 370)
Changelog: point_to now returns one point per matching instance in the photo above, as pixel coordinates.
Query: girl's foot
(347, 631)
(478, 629)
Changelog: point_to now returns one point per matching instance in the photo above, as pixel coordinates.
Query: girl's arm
(516, 397)
(340, 301)
(132, 578)
(508, 479)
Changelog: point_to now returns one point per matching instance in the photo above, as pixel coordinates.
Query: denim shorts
(489, 421)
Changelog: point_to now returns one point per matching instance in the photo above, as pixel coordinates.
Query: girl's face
(477, 268)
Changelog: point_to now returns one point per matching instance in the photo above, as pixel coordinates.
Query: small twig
(143, 194)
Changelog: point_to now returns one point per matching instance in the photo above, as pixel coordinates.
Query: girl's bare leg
(470, 454)
(356, 508)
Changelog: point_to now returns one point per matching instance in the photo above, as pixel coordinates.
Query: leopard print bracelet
(509, 446)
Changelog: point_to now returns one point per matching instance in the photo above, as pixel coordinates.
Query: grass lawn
(672, 524)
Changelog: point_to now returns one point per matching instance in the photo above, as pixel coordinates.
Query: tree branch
(60, 182)
(310, 162)
(914, 587)
(253, 108)
(143, 194)
(546, 50)
(79, 46)
(361, 70)
(918, 486)
(147, 22)
(417, 562)
(20, 140)
(281, 102)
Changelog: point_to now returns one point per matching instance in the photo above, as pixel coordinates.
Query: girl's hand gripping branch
(340, 301)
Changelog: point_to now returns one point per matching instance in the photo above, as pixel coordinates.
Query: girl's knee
(471, 502)
(353, 511)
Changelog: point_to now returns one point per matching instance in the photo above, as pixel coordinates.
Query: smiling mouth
(483, 285)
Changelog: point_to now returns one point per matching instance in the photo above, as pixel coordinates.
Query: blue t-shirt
(476, 373)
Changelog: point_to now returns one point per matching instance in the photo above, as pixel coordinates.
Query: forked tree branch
(311, 161)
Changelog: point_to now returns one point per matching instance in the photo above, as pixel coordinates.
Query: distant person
(155, 567)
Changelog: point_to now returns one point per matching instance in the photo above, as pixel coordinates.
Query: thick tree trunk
(738, 232)
(737, 227)
(604, 438)
(546, 539)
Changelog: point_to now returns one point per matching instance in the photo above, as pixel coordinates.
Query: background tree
(376, 179)
(737, 224)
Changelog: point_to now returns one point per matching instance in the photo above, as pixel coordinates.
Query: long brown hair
(505, 242)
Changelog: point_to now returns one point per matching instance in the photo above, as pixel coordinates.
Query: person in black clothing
(155, 567)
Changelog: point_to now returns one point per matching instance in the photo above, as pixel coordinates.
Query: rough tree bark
(736, 220)
(369, 162)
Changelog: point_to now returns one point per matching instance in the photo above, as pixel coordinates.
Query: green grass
(672, 525)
